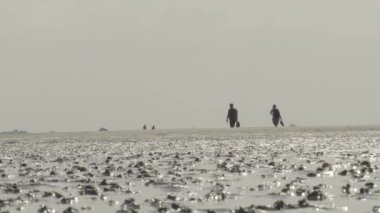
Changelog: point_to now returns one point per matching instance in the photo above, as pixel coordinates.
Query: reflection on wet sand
(244, 170)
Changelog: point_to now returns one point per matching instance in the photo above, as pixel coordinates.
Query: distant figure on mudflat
(144, 127)
(153, 127)
(232, 116)
(276, 116)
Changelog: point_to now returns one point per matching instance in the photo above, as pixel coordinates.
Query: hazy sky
(78, 65)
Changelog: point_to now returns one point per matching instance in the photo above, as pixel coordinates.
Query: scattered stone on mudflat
(365, 163)
(364, 190)
(326, 165)
(69, 201)
(48, 194)
(279, 205)
(80, 168)
(346, 189)
(343, 173)
(250, 209)
(129, 204)
(370, 185)
(3, 203)
(175, 206)
(222, 166)
(86, 208)
(60, 160)
(155, 202)
(52, 173)
(58, 195)
(71, 210)
(20, 208)
(12, 188)
(163, 210)
(113, 187)
(376, 209)
(108, 160)
(45, 209)
(312, 174)
(112, 202)
(216, 195)
(316, 195)
(103, 197)
(172, 198)
(263, 207)
(303, 203)
(105, 182)
(237, 169)
(89, 190)
(139, 164)
(89, 174)
(130, 191)
(108, 173)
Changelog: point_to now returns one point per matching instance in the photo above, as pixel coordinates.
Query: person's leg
(275, 121)
(232, 123)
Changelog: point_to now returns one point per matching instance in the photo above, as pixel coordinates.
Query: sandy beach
(196, 170)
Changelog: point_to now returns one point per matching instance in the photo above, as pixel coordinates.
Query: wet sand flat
(329, 169)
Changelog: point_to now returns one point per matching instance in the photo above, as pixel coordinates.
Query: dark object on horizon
(237, 124)
(103, 129)
(276, 116)
(232, 116)
(16, 131)
(144, 127)
(153, 127)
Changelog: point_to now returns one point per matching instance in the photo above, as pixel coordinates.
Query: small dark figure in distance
(103, 129)
(153, 127)
(237, 124)
(232, 116)
(276, 116)
(144, 127)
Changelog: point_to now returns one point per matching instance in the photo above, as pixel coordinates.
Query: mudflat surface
(216, 170)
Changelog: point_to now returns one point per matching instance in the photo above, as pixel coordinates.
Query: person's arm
(271, 112)
(228, 115)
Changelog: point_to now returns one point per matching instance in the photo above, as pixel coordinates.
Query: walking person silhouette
(232, 116)
(276, 116)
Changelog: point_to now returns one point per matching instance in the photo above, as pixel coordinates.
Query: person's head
(231, 105)
(274, 106)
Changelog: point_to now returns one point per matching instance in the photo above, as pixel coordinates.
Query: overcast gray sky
(78, 65)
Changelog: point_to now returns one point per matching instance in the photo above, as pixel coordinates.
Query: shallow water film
(216, 170)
